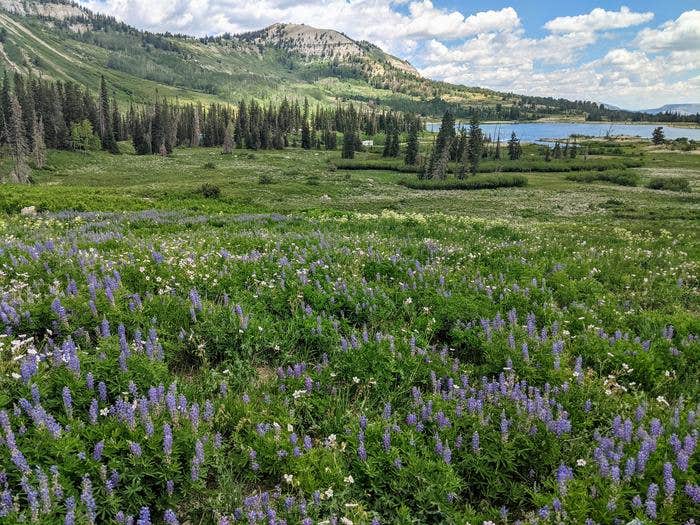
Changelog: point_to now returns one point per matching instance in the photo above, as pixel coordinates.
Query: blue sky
(635, 55)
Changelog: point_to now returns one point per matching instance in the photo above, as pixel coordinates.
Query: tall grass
(480, 182)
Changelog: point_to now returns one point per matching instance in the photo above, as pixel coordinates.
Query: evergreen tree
(386, 152)
(395, 147)
(514, 149)
(411, 157)
(348, 145)
(196, 129)
(18, 142)
(556, 152)
(657, 136)
(39, 148)
(445, 138)
(228, 139)
(497, 152)
(440, 166)
(475, 144)
(573, 150)
(106, 130)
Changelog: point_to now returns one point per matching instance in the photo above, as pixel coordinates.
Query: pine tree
(440, 166)
(196, 129)
(475, 144)
(556, 152)
(39, 148)
(386, 152)
(411, 157)
(497, 152)
(444, 139)
(106, 130)
(657, 136)
(228, 138)
(395, 147)
(18, 142)
(573, 150)
(348, 145)
(514, 149)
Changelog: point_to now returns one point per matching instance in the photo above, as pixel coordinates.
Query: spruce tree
(18, 142)
(556, 152)
(39, 147)
(228, 138)
(196, 129)
(411, 157)
(444, 139)
(657, 136)
(106, 130)
(514, 149)
(348, 145)
(475, 144)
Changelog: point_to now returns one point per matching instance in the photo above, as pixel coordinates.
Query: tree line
(37, 114)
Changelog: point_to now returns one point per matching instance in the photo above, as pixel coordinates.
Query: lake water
(536, 131)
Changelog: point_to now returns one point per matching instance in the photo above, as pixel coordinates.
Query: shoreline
(680, 125)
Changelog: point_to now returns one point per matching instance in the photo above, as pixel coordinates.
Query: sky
(635, 55)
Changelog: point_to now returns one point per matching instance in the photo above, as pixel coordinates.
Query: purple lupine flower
(70, 511)
(170, 518)
(144, 516)
(693, 492)
(135, 449)
(93, 411)
(387, 411)
(475, 442)
(669, 482)
(386, 440)
(564, 474)
(361, 452)
(167, 440)
(87, 498)
(97, 451)
(68, 401)
(650, 502)
(170, 487)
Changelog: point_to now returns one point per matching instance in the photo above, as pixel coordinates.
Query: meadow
(325, 345)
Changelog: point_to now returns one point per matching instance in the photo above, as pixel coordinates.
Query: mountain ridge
(61, 40)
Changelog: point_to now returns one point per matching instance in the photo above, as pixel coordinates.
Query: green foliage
(480, 182)
(210, 191)
(622, 178)
(669, 183)
(83, 137)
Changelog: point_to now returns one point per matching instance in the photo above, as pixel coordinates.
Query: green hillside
(78, 45)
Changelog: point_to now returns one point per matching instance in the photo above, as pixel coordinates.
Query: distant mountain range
(679, 109)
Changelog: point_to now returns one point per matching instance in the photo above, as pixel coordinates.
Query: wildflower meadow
(168, 367)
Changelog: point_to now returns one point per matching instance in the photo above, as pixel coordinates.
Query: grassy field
(320, 345)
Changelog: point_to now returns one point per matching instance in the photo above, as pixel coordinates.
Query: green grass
(622, 178)
(335, 306)
(478, 182)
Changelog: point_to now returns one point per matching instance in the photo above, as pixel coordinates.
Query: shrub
(210, 191)
(670, 184)
(265, 178)
(621, 178)
(480, 182)
(313, 180)
(209, 165)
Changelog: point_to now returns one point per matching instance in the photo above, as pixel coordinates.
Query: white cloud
(598, 20)
(679, 35)
(489, 49)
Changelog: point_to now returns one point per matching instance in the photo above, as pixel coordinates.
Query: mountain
(61, 40)
(678, 109)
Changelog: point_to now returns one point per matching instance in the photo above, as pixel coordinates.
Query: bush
(209, 165)
(210, 191)
(670, 184)
(475, 183)
(313, 180)
(265, 178)
(622, 178)
(493, 166)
